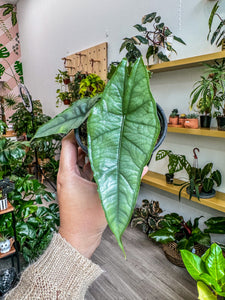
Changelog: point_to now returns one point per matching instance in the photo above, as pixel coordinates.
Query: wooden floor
(145, 275)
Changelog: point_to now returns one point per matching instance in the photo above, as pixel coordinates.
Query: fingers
(69, 154)
(145, 170)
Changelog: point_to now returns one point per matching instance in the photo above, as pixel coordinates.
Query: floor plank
(146, 274)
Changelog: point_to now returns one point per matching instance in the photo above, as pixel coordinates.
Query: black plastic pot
(162, 134)
(169, 178)
(205, 121)
(221, 123)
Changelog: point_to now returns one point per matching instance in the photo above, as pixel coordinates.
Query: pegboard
(92, 60)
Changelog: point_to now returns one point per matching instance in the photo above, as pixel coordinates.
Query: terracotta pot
(66, 81)
(191, 123)
(174, 121)
(66, 102)
(181, 121)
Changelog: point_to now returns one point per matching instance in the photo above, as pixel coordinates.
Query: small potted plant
(3, 200)
(174, 164)
(91, 86)
(191, 121)
(6, 186)
(182, 119)
(63, 96)
(174, 117)
(62, 77)
(158, 39)
(5, 243)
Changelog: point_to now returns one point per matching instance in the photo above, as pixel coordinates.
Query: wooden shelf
(185, 63)
(10, 252)
(158, 180)
(10, 208)
(212, 132)
(9, 134)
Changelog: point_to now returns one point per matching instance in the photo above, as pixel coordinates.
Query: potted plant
(3, 200)
(176, 234)
(182, 119)
(158, 39)
(5, 243)
(74, 86)
(218, 35)
(147, 216)
(62, 77)
(209, 92)
(127, 104)
(174, 164)
(174, 117)
(91, 86)
(208, 271)
(191, 121)
(65, 97)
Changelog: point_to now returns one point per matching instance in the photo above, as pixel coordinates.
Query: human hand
(82, 219)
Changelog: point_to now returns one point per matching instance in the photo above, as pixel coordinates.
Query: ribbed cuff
(60, 273)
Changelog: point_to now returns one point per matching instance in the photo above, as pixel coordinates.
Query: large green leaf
(122, 131)
(215, 262)
(204, 293)
(163, 236)
(193, 264)
(69, 119)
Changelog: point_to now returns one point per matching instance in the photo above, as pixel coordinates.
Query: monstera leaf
(69, 119)
(4, 53)
(122, 131)
(2, 70)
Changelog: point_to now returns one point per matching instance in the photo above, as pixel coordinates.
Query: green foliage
(147, 216)
(4, 53)
(35, 223)
(185, 234)
(215, 225)
(126, 106)
(9, 9)
(3, 127)
(209, 270)
(192, 116)
(175, 160)
(154, 38)
(61, 76)
(117, 155)
(174, 113)
(218, 34)
(91, 86)
(74, 86)
(209, 91)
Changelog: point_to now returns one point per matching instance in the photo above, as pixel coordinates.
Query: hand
(82, 219)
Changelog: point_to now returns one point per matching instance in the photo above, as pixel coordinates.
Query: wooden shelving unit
(212, 132)
(9, 209)
(185, 63)
(10, 252)
(158, 180)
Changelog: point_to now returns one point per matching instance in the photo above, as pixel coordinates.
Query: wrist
(83, 243)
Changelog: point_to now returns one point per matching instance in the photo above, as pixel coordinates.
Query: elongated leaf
(215, 262)
(207, 184)
(14, 18)
(162, 153)
(140, 28)
(163, 236)
(211, 17)
(69, 119)
(215, 34)
(204, 293)
(193, 264)
(179, 40)
(210, 281)
(122, 131)
(162, 56)
(4, 53)
(217, 177)
(141, 39)
(206, 170)
(148, 18)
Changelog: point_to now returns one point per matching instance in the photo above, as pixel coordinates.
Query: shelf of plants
(212, 132)
(158, 180)
(185, 63)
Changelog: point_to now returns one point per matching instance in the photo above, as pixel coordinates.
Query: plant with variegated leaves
(122, 128)
(147, 216)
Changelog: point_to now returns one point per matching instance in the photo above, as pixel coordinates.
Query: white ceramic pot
(5, 246)
(3, 203)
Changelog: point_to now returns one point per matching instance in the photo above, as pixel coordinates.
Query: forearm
(60, 273)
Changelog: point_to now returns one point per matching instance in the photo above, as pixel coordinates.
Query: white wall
(51, 29)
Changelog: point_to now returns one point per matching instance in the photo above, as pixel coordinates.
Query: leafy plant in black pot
(158, 39)
(147, 217)
(174, 164)
(117, 155)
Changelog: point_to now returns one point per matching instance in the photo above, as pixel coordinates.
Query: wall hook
(194, 151)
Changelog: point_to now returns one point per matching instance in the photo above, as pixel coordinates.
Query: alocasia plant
(122, 131)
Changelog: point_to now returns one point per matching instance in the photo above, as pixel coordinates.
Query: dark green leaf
(179, 40)
(217, 177)
(18, 68)
(162, 56)
(69, 119)
(215, 34)
(14, 18)
(157, 19)
(2, 70)
(167, 32)
(162, 154)
(26, 229)
(141, 39)
(206, 170)
(148, 18)
(193, 264)
(140, 28)
(211, 17)
(163, 236)
(207, 185)
(127, 106)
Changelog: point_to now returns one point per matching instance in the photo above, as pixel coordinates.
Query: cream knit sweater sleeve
(60, 273)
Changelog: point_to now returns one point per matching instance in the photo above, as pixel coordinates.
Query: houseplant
(74, 86)
(158, 39)
(5, 243)
(177, 234)
(174, 164)
(147, 216)
(91, 86)
(63, 94)
(182, 118)
(65, 97)
(208, 271)
(62, 77)
(174, 117)
(6, 186)
(191, 121)
(218, 35)
(117, 155)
